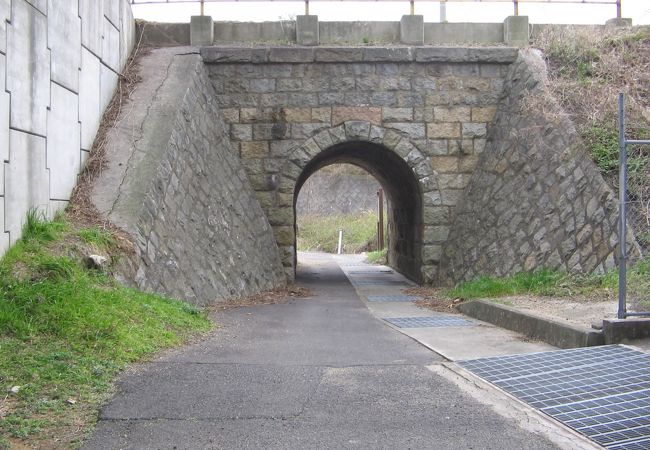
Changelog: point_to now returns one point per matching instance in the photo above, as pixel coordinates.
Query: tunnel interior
(404, 200)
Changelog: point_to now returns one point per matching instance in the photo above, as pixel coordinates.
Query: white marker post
(338, 252)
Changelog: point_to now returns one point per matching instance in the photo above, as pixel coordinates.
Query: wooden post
(412, 7)
(202, 7)
(516, 2)
(306, 7)
(618, 9)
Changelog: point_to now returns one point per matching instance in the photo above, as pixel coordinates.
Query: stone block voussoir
(357, 130)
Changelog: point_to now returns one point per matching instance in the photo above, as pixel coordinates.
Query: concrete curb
(555, 333)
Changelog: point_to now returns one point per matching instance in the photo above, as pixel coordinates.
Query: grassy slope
(66, 331)
(320, 233)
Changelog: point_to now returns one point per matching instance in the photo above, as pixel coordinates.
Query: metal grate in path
(429, 321)
(601, 392)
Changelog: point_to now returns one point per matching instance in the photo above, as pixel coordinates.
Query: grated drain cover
(393, 298)
(429, 321)
(601, 392)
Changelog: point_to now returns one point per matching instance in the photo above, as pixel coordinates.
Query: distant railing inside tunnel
(442, 3)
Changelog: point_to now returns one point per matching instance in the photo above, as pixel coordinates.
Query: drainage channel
(602, 392)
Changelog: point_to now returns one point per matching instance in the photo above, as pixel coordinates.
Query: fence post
(622, 200)
(618, 9)
(443, 11)
(516, 4)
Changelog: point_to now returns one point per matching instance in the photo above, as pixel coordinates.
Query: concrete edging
(555, 333)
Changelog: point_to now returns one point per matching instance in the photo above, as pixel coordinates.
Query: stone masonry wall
(536, 198)
(430, 105)
(59, 65)
(201, 234)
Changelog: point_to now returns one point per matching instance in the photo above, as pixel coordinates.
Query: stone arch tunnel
(478, 183)
(403, 191)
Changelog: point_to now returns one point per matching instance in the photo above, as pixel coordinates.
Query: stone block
(241, 132)
(451, 113)
(338, 54)
(291, 54)
(108, 83)
(516, 31)
(262, 85)
(307, 30)
(411, 30)
(89, 98)
(28, 75)
(5, 15)
(111, 46)
(297, 115)
(444, 130)
(26, 180)
(397, 114)
(474, 130)
(92, 24)
(619, 22)
(254, 149)
(4, 124)
(63, 157)
(321, 114)
(444, 163)
(64, 39)
(412, 130)
(342, 114)
(483, 113)
(201, 30)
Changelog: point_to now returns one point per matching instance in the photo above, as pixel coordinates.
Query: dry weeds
(433, 299)
(271, 297)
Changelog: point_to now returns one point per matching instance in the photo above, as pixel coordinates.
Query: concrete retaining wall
(59, 65)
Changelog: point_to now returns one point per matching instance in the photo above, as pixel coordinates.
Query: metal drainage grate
(601, 392)
(429, 321)
(370, 272)
(378, 282)
(393, 298)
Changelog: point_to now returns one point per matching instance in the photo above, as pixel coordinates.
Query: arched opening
(404, 200)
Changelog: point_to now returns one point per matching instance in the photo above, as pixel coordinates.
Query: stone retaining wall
(536, 198)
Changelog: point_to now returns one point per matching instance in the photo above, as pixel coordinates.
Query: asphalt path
(321, 372)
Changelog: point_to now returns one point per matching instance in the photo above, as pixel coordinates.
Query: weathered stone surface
(342, 114)
(514, 215)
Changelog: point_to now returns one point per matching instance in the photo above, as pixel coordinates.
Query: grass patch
(558, 284)
(321, 233)
(66, 331)
(377, 257)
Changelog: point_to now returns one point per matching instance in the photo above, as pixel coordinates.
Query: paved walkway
(322, 372)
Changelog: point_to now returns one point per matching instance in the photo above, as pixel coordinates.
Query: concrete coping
(300, 54)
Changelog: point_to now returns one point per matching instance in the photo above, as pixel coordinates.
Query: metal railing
(443, 3)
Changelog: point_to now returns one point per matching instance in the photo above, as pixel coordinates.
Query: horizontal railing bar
(634, 141)
(587, 2)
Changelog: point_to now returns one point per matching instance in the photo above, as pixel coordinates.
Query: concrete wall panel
(111, 46)
(50, 51)
(90, 112)
(63, 158)
(41, 5)
(92, 24)
(5, 14)
(127, 31)
(108, 84)
(64, 39)
(28, 70)
(27, 180)
(4, 122)
(112, 11)
(4, 237)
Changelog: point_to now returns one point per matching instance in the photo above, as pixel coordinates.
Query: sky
(253, 11)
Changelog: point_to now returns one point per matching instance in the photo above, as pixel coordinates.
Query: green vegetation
(321, 233)
(559, 284)
(377, 257)
(66, 331)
